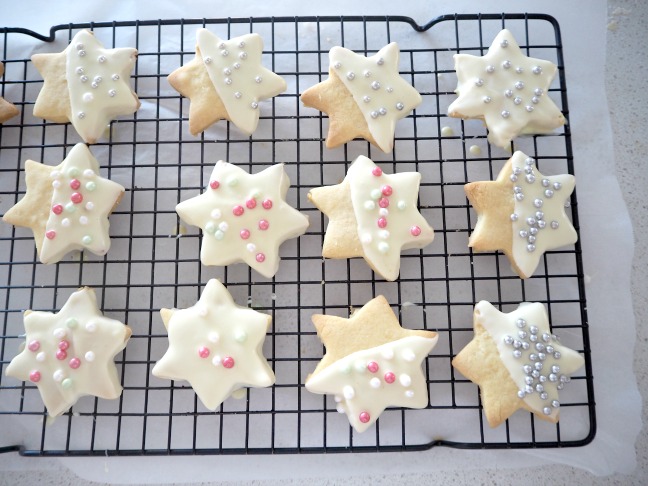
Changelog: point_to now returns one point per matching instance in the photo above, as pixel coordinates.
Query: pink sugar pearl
(57, 209)
(203, 352)
(382, 222)
(415, 231)
(372, 366)
(64, 345)
(377, 171)
(383, 202)
(33, 346)
(76, 198)
(238, 210)
(74, 363)
(214, 185)
(34, 376)
(50, 235)
(251, 203)
(364, 417)
(387, 190)
(260, 257)
(228, 362)
(263, 225)
(61, 355)
(245, 234)
(267, 204)
(390, 377)
(75, 184)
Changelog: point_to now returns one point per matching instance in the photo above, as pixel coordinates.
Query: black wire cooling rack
(154, 261)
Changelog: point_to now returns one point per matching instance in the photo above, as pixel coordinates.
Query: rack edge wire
(378, 448)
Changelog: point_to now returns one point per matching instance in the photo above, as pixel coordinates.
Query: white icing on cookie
(382, 95)
(507, 89)
(385, 207)
(244, 217)
(97, 80)
(538, 364)
(235, 69)
(366, 382)
(70, 354)
(216, 346)
(81, 203)
(539, 220)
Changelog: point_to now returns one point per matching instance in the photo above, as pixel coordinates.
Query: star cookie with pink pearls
(363, 97)
(371, 363)
(70, 354)
(226, 81)
(522, 213)
(373, 215)
(87, 85)
(216, 346)
(507, 90)
(67, 206)
(244, 217)
(517, 362)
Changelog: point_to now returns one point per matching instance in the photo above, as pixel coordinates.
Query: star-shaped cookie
(87, 85)
(507, 90)
(244, 217)
(363, 97)
(216, 346)
(521, 213)
(67, 206)
(226, 81)
(372, 215)
(69, 354)
(371, 363)
(7, 110)
(517, 362)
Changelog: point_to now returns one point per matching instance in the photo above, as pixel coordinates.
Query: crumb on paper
(447, 132)
(612, 25)
(273, 296)
(475, 150)
(587, 279)
(178, 231)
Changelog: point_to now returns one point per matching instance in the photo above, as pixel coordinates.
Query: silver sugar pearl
(80, 70)
(508, 339)
(544, 395)
(557, 186)
(84, 79)
(555, 403)
(522, 334)
(521, 394)
(531, 248)
(115, 77)
(531, 239)
(374, 114)
(350, 75)
(79, 46)
(366, 99)
(555, 369)
(98, 79)
(519, 85)
(241, 44)
(519, 196)
(517, 344)
(506, 64)
(227, 71)
(94, 85)
(81, 53)
(546, 337)
(238, 95)
(525, 345)
(505, 114)
(520, 323)
(542, 224)
(549, 193)
(528, 380)
(564, 379)
(513, 178)
(538, 202)
(517, 100)
(530, 178)
(228, 81)
(567, 203)
(514, 217)
(101, 59)
(367, 73)
(553, 377)
(539, 388)
(523, 234)
(400, 106)
(504, 43)
(490, 69)
(549, 348)
(375, 85)
(112, 93)
(517, 170)
(528, 389)
(535, 100)
(243, 55)
(540, 347)
(382, 111)
(519, 70)
(225, 53)
(380, 61)
(538, 366)
(533, 338)
(531, 222)
(554, 225)
(236, 65)
(529, 161)
(528, 169)
(508, 93)
(254, 105)
(545, 182)
(536, 70)
(538, 91)
(533, 231)
(487, 99)
(479, 82)
(221, 45)
(533, 357)
(542, 356)
(517, 189)
(535, 374)
(389, 89)
(560, 386)
(527, 369)
(533, 329)
(337, 65)
(81, 115)
(258, 79)
(517, 353)
(529, 108)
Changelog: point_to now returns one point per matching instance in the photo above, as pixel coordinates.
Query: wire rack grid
(154, 261)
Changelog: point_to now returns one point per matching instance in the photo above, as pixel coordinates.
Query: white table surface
(626, 83)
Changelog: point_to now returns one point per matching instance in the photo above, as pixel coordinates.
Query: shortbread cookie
(216, 346)
(71, 353)
(87, 85)
(371, 363)
(363, 97)
(522, 213)
(67, 206)
(7, 110)
(244, 217)
(226, 81)
(372, 215)
(507, 90)
(517, 362)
